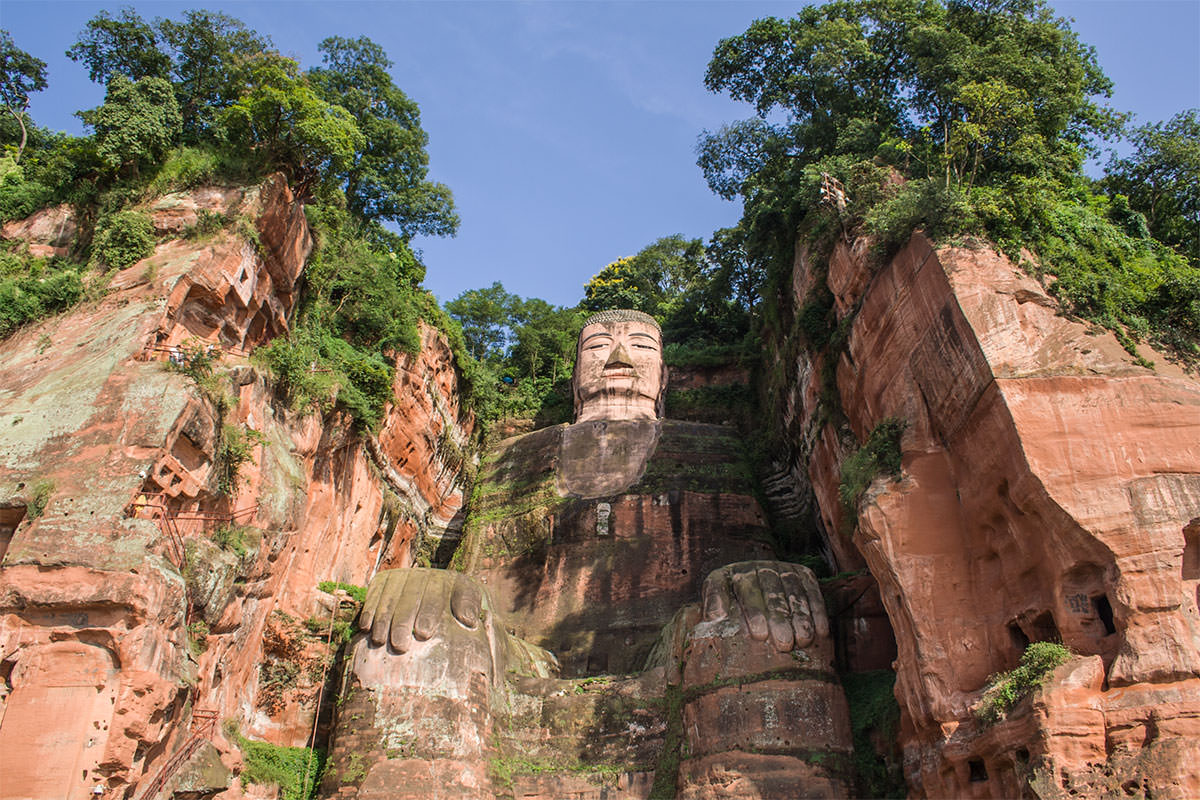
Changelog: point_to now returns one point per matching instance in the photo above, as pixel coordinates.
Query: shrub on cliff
(123, 239)
(31, 288)
(1006, 689)
(879, 455)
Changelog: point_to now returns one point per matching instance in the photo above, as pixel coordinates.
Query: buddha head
(619, 369)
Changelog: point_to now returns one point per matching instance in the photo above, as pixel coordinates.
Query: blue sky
(567, 130)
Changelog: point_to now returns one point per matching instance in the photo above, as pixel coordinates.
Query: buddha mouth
(619, 372)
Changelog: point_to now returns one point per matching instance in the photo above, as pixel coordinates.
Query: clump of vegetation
(32, 288)
(874, 718)
(42, 491)
(208, 224)
(198, 637)
(359, 593)
(235, 539)
(1006, 689)
(123, 239)
(235, 449)
(295, 770)
(879, 455)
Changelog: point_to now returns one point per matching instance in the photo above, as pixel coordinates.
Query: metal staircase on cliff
(203, 721)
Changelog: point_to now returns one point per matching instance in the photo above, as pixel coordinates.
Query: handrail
(203, 721)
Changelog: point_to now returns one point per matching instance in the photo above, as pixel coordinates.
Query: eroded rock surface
(1049, 484)
(141, 594)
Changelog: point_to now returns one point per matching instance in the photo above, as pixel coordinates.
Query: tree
(545, 340)
(281, 118)
(386, 178)
(211, 55)
(127, 46)
(654, 281)
(1162, 180)
(20, 74)
(136, 123)
(967, 91)
(487, 317)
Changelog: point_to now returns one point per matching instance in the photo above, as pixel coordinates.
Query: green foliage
(519, 353)
(1006, 689)
(19, 197)
(386, 178)
(880, 454)
(123, 239)
(282, 119)
(1161, 179)
(488, 317)
(32, 288)
(339, 630)
(126, 46)
(235, 449)
(359, 593)
(874, 717)
(360, 309)
(42, 491)
(197, 637)
(296, 770)
(210, 53)
(137, 123)
(235, 539)
(712, 404)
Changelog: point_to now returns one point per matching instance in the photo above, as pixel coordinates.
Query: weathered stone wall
(95, 427)
(1048, 480)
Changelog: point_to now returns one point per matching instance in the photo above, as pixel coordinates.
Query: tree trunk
(24, 134)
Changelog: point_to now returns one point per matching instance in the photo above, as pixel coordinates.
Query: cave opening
(1104, 611)
(11, 517)
(978, 770)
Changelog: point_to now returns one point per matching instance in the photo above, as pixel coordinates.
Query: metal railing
(168, 521)
(203, 721)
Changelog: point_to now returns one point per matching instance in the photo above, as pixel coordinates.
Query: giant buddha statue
(614, 624)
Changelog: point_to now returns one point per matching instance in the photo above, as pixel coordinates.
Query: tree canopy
(385, 179)
(1161, 178)
(137, 123)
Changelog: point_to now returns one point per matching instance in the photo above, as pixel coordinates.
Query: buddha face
(619, 371)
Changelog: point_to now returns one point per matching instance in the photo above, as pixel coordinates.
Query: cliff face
(153, 582)
(1050, 492)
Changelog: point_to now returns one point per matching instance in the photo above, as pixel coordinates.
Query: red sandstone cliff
(1050, 491)
(126, 618)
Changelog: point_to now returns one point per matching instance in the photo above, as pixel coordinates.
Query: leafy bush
(198, 637)
(32, 288)
(123, 239)
(1006, 689)
(359, 593)
(234, 538)
(234, 450)
(20, 197)
(265, 763)
(880, 454)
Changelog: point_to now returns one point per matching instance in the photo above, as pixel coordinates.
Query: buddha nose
(619, 358)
